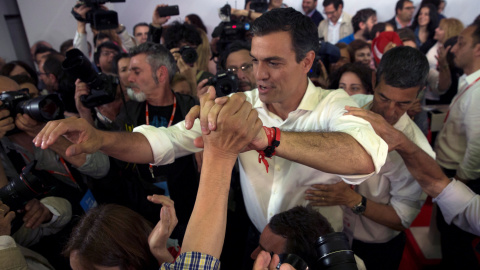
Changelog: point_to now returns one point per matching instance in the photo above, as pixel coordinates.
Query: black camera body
(30, 184)
(99, 18)
(189, 54)
(103, 87)
(225, 83)
(41, 108)
(260, 6)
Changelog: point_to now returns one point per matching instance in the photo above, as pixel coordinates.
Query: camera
(30, 184)
(189, 54)
(260, 6)
(99, 18)
(225, 83)
(334, 252)
(41, 108)
(229, 30)
(102, 87)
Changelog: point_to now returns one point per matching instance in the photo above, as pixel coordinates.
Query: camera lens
(334, 252)
(43, 108)
(189, 54)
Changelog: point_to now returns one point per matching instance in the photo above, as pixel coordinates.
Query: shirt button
(277, 168)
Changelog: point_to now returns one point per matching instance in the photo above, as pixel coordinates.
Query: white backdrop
(51, 20)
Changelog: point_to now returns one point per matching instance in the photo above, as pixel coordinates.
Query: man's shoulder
(411, 130)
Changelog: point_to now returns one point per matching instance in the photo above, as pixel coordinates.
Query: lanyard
(171, 117)
(150, 167)
(68, 174)
(454, 101)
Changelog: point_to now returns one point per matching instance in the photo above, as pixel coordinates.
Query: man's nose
(260, 71)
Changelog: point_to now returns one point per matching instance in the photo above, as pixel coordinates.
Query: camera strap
(147, 121)
(68, 174)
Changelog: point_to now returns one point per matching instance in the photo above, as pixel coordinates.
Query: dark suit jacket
(317, 17)
(393, 23)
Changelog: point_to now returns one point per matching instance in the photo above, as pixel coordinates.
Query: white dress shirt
(458, 143)
(393, 185)
(461, 206)
(283, 187)
(334, 30)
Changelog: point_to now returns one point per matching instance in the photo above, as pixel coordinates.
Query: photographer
(17, 151)
(42, 218)
(122, 38)
(182, 40)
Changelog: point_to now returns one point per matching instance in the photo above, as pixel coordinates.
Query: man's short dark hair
(8, 68)
(400, 4)
(301, 226)
(181, 33)
(65, 45)
(406, 34)
(362, 16)
(116, 59)
(157, 56)
(476, 33)
(403, 67)
(139, 24)
(302, 29)
(235, 46)
(336, 3)
(43, 49)
(109, 45)
(100, 36)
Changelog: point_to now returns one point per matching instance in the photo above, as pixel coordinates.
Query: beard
(138, 97)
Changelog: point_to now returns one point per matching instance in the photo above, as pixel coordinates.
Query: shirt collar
(472, 77)
(311, 13)
(338, 22)
(309, 101)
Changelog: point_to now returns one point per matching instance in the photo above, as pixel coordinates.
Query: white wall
(51, 19)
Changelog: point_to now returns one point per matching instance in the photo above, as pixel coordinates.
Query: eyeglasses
(244, 68)
(409, 8)
(108, 53)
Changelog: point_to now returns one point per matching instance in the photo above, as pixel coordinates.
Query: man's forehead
(7, 84)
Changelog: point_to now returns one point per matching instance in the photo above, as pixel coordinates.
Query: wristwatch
(359, 209)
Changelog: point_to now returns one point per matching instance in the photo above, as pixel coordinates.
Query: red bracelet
(273, 136)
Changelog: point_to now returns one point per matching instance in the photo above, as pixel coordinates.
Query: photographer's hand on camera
(81, 10)
(202, 88)
(81, 89)
(266, 262)
(35, 214)
(158, 21)
(6, 122)
(28, 125)
(6, 217)
(190, 72)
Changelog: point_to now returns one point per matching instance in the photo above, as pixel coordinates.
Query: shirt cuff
(55, 213)
(454, 199)
(6, 241)
(159, 142)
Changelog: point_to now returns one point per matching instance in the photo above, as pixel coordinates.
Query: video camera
(30, 184)
(103, 87)
(229, 30)
(327, 53)
(225, 83)
(260, 6)
(99, 18)
(41, 108)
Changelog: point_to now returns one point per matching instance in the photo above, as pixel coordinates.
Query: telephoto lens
(334, 252)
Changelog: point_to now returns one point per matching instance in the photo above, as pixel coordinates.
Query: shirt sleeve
(170, 143)
(460, 205)
(193, 260)
(127, 40)
(62, 211)
(469, 168)
(96, 165)
(80, 42)
(356, 127)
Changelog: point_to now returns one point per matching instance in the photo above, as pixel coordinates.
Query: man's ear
(308, 61)
(476, 50)
(362, 25)
(162, 73)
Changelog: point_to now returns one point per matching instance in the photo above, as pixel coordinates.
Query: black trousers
(381, 256)
(457, 250)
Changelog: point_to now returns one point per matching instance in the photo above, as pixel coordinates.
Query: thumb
(198, 142)
(73, 150)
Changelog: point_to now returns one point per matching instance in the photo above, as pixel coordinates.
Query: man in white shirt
(338, 24)
(379, 209)
(458, 143)
(318, 143)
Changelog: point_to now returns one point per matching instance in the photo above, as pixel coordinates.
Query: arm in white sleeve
(460, 205)
(170, 143)
(80, 42)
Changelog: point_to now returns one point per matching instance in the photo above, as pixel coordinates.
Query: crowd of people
(169, 148)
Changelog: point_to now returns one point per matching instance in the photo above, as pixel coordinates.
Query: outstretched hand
(265, 262)
(157, 240)
(85, 138)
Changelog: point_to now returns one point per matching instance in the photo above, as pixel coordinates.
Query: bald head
(7, 84)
